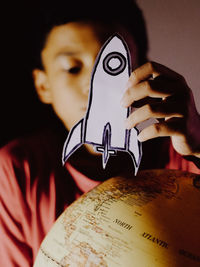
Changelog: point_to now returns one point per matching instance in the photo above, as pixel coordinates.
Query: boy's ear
(42, 86)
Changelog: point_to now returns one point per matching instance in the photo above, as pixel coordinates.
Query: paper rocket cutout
(103, 124)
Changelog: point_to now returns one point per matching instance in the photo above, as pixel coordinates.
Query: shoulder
(32, 178)
(41, 146)
(31, 159)
(31, 183)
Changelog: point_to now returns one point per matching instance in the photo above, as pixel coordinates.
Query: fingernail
(127, 124)
(123, 102)
(128, 84)
(140, 138)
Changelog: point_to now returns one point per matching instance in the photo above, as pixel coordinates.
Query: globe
(148, 220)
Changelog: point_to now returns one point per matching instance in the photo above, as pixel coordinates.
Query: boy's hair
(48, 14)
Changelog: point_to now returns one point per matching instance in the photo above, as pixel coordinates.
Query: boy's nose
(87, 76)
(86, 85)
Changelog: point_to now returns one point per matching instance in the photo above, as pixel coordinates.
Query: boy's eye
(74, 70)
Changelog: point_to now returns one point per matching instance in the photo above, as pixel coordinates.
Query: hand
(165, 96)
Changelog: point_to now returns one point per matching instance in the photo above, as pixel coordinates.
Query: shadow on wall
(173, 30)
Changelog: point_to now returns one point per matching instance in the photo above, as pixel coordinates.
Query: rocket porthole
(114, 63)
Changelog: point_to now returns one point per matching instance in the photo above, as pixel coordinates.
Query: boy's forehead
(77, 37)
(72, 36)
(72, 32)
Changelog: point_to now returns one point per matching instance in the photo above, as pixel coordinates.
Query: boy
(35, 188)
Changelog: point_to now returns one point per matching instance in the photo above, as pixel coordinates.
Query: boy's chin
(87, 161)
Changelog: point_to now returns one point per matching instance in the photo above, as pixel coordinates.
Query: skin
(175, 109)
(68, 58)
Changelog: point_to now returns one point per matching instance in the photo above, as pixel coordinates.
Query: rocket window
(114, 63)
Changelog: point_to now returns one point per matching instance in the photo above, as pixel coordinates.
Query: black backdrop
(20, 110)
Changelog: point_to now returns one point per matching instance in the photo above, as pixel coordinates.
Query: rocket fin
(73, 141)
(135, 148)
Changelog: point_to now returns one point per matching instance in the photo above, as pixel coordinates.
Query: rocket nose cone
(117, 40)
(115, 43)
(114, 56)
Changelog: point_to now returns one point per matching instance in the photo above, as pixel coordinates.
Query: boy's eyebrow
(66, 53)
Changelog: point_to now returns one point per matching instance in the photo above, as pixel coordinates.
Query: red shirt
(35, 189)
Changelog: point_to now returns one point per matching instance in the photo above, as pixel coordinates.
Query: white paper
(103, 124)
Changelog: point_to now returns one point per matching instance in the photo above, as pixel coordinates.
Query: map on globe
(145, 221)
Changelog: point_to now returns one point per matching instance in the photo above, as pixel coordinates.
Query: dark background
(20, 110)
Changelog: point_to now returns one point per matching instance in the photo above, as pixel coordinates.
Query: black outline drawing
(81, 127)
(117, 70)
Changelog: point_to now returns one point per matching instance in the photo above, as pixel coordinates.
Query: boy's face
(68, 58)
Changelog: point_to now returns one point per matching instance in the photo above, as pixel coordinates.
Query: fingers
(171, 127)
(163, 109)
(160, 87)
(158, 92)
(152, 80)
(151, 70)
